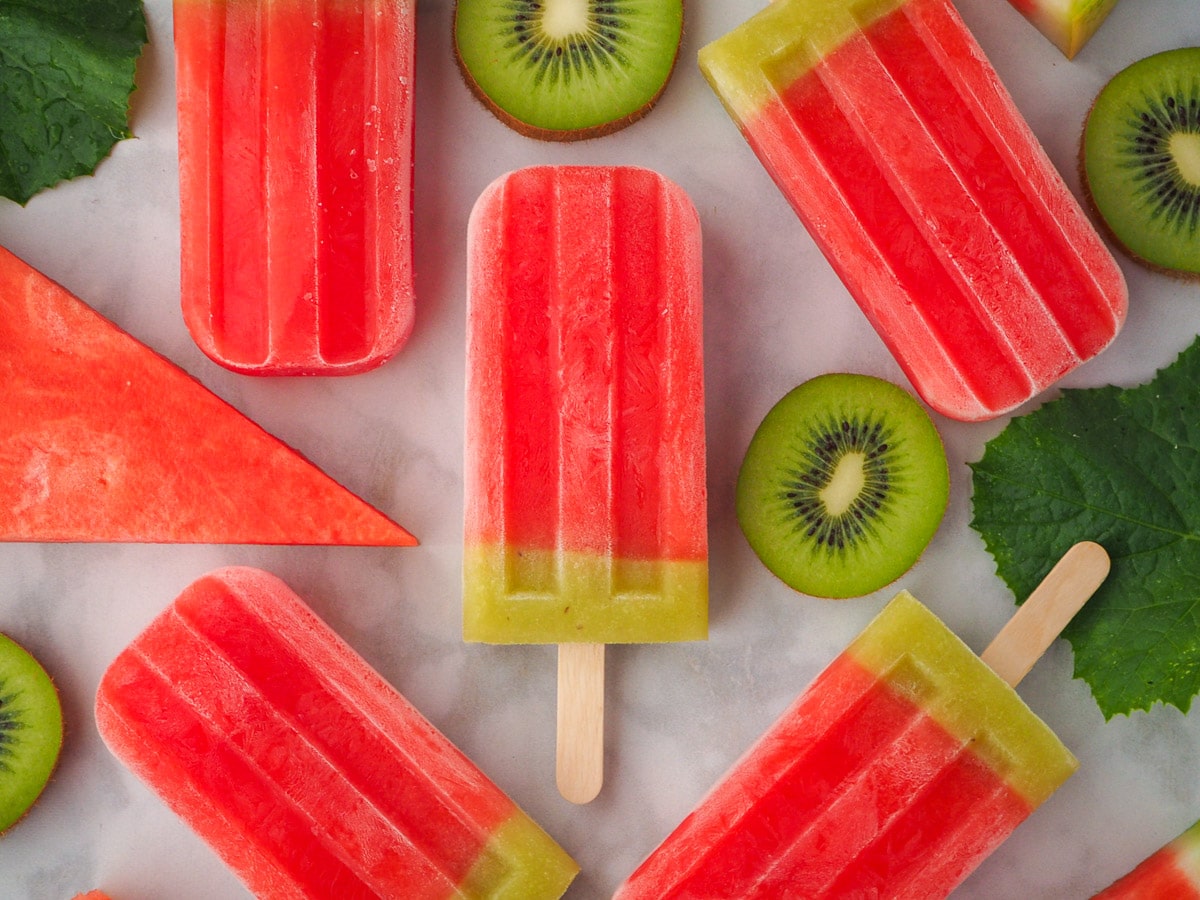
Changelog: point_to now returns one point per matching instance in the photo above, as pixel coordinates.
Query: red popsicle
(585, 489)
(585, 486)
(892, 137)
(893, 775)
(301, 767)
(295, 159)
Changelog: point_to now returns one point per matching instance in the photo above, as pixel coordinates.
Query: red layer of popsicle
(585, 305)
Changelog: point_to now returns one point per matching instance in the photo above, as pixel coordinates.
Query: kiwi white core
(846, 484)
(1185, 149)
(563, 18)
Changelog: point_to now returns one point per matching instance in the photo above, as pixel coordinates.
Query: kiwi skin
(1090, 151)
(560, 135)
(31, 731)
(896, 510)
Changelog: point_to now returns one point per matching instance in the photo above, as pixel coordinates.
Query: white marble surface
(678, 715)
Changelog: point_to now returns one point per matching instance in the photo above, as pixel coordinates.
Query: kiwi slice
(31, 730)
(1141, 159)
(567, 69)
(843, 485)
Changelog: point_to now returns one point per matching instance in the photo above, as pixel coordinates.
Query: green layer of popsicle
(923, 659)
(520, 861)
(514, 596)
(769, 51)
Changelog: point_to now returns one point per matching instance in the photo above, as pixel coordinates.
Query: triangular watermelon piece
(1069, 24)
(102, 439)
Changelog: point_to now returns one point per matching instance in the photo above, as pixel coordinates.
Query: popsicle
(890, 134)
(102, 439)
(301, 767)
(585, 456)
(894, 774)
(1170, 873)
(295, 181)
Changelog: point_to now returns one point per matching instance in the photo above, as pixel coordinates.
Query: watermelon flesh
(102, 439)
(301, 767)
(585, 486)
(897, 771)
(1170, 873)
(295, 174)
(897, 145)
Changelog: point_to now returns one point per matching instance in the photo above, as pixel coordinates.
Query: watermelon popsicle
(295, 174)
(893, 139)
(903, 765)
(300, 766)
(585, 479)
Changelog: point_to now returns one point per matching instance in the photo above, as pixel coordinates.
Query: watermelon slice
(102, 439)
(1170, 873)
(1069, 24)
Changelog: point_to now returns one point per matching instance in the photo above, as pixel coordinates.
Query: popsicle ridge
(582, 513)
(205, 744)
(1021, 159)
(1004, 278)
(272, 732)
(788, 840)
(957, 816)
(891, 795)
(295, 181)
(1019, 304)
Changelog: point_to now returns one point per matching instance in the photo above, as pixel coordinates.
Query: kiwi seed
(567, 69)
(843, 485)
(1141, 159)
(31, 730)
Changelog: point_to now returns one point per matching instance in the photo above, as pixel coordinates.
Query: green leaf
(1121, 467)
(66, 73)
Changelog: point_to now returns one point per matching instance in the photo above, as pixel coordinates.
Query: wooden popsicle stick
(1040, 619)
(580, 759)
